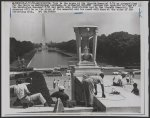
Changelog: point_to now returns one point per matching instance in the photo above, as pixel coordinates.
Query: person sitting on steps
(62, 95)
(117, 80)
(24, 95)
(135, 89)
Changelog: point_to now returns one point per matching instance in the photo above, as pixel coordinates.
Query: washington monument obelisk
(43, 31)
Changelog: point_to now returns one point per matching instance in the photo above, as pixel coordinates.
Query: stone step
(79, 109)
(124, 109)
(39, 109)
(124, 102)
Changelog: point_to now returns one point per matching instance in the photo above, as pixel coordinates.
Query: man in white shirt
(25, 96)
(90, 87)
(117, 80)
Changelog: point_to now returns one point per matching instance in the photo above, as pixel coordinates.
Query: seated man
(117, 80)
(86, 56)
(135, 89)
(127, 79)
(17, 102)
(62, 95)
(24, 96)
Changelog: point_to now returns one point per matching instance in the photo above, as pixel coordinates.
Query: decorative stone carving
(86, 56)
(83, 35)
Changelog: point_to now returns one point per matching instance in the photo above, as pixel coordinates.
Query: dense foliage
(18, 48)
(69, 46)
(117, 48)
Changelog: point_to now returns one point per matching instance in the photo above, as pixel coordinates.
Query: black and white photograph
(75, 63)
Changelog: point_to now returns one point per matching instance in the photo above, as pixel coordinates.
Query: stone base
(88, 69)
(87, 63)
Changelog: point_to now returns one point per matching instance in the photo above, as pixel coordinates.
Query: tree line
(118, 48)
(19, 48)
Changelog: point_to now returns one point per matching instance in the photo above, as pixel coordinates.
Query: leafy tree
(18, 48)
(69, 46)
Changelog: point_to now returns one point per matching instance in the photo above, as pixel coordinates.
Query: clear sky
(59, 26)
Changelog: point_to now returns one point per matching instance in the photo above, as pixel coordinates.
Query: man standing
(25, 96)
(65, 83)
(57, 83)
(131, 76)
(69, 83)
(54, 84)
(90, 87)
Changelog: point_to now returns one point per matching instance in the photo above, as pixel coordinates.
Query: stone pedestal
(86, 69)
(85, 65)
(83, 35)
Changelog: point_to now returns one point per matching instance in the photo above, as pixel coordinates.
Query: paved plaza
(64, 80)
(107, 82)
